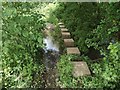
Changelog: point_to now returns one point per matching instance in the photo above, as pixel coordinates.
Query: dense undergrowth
(92, 25)
(97, 26)
(22, 40)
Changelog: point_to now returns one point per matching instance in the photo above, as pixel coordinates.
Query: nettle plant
(21, 38)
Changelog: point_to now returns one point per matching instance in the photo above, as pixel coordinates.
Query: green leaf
(40, 40)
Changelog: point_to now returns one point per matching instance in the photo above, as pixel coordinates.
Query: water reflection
(49, 44)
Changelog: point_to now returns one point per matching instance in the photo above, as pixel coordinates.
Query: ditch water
(51, 56)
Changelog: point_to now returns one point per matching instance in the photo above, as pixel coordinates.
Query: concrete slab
(73, 50)
(62, 26)
(64, 30)
(60, 23)
(80, 68)
(65, 35)
(69, 42)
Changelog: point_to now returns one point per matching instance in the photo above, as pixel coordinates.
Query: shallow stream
(51, 56)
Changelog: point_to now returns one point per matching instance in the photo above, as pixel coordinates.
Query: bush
(21, 39)
(95, 25)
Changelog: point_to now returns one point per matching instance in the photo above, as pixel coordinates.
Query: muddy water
(51, 56)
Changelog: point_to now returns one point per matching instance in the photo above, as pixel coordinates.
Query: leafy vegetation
(46, 9)
(95, 25)
(92, 25)
(65, 71)
(106, 73)
(22, 39)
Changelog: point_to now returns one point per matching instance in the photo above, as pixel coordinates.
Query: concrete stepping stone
(73, 50)
(80, 68)
(64, 30)
(60, 23)
(62, 26)
(69, 42)
(65, 35)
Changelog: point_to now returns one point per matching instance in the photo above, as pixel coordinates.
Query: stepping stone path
(73, 50)
(65, 35)
(80, 68)
(69, 42)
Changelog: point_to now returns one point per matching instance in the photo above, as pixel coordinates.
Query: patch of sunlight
(46, 9)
